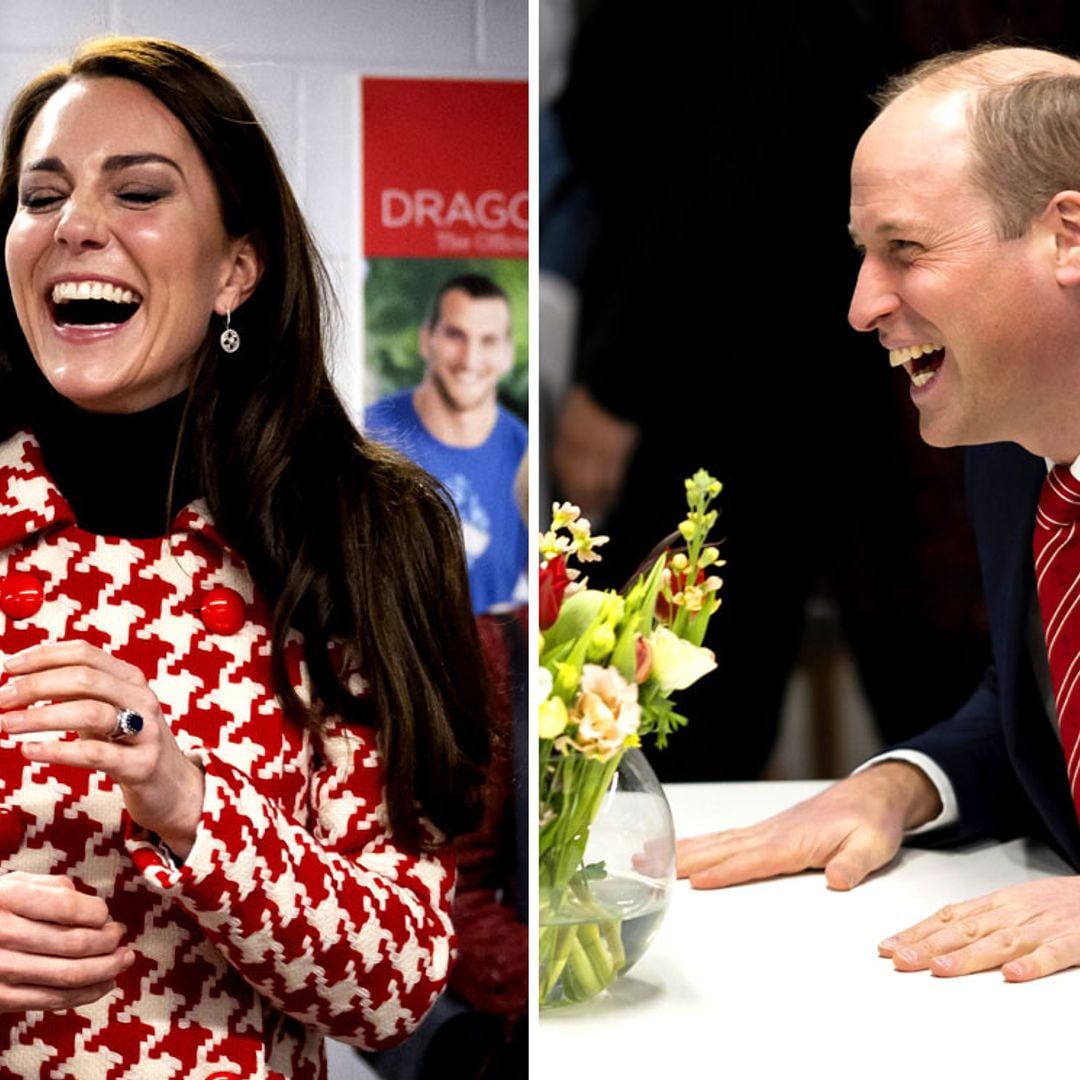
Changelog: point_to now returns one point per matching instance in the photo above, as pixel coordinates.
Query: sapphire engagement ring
(128, 724)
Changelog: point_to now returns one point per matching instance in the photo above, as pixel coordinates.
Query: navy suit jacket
(1000, 750)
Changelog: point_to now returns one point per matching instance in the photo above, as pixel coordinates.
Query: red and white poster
(445, 166)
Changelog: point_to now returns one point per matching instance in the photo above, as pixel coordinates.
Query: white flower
(562, 514)
(606, 712)
(543, 683)
(584, 543)
(552, 545)
(678, 663)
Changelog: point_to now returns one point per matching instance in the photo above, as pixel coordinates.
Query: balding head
(965, 197)
(975, 70)
(1022, 112)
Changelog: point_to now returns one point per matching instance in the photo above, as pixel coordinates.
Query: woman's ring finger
(128, 724)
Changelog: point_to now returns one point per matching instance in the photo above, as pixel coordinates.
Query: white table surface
(782, 978)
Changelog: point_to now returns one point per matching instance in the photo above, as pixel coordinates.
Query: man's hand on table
(855, 827)
(1027, 930)
(850, 829)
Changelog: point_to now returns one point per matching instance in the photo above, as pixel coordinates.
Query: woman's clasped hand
(58, 946)
(73, 687)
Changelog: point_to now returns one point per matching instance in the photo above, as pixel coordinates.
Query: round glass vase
(597, 929)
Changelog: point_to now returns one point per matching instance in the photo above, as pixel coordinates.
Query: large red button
(21, 594)
(223, 610)
(12, 827)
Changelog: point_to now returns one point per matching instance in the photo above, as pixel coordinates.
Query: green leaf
(576, 615)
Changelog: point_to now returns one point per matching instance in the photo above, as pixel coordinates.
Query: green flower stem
(555, 945)
(546, 746)
(579, 959)
(584, 955)
(615, 956)
(590, 962)
(612, 930)
(581, 784)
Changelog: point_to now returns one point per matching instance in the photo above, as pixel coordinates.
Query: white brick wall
(300, 61)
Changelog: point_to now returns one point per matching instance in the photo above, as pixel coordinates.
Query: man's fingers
(963, 933)
(1049, 957)
(860, 854)
(750, 864)
(938, 950)
(1028, 931)
(746, 855)
(654, 859)
(960, 923)
(846, 871)
(988, 952)
(698, 852)
(705, 841)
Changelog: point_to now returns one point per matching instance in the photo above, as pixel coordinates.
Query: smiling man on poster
(453, 425)
(965, 205)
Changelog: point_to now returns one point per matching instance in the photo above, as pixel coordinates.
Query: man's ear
(1063, 218)
(425, 341)
(242, 273)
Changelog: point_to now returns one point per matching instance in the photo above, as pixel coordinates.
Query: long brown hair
(349, 541)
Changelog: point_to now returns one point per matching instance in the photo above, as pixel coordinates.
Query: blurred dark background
(695, 278)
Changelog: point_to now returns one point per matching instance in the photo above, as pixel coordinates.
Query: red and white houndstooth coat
(294, 915)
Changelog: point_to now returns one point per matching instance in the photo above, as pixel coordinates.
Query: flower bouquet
(609, 662)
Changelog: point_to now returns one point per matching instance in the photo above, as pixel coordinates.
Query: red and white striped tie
(1056, 545)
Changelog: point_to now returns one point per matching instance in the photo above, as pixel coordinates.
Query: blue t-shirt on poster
(481, 481)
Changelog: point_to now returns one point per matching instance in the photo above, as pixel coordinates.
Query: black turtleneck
(113, 468)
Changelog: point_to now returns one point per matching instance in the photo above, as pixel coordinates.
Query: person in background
(453, 426)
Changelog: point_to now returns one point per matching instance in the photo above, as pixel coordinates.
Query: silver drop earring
(230, 339)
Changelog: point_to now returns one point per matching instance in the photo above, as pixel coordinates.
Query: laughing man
(965, 206)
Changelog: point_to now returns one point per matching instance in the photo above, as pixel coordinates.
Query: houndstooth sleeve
(334, 925)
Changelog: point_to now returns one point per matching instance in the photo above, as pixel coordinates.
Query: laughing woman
(241, 704)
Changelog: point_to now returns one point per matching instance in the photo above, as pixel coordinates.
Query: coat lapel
(29, 501)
